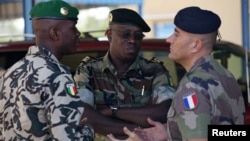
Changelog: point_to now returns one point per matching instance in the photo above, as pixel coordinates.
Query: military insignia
(190, 101)
(154, 59)
(110, 17)
(71, 89)
(86, 59)
(64, 11)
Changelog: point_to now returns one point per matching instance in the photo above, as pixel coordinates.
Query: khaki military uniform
(38, 101)
(207, 94)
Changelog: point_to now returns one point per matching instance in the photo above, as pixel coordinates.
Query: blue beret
(127, 16)
(196, 20)
(54, 9)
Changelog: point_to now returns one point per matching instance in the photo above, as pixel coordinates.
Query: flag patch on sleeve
(190, 101)
(71, 89)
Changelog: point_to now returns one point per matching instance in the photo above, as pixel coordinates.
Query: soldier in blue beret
(208, 94)
(123, 88)
(39, 100)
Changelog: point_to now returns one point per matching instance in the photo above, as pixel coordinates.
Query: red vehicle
(225, 52)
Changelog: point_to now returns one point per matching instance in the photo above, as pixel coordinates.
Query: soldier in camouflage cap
(38, 97)
(208, 94)
(122, 88)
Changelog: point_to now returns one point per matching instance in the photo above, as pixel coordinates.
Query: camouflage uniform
(145, 82)
(39, 102)
(207, 94)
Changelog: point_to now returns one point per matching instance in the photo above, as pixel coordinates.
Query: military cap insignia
(190, 101)
(71, 89)
(110, 17)
(64, 11)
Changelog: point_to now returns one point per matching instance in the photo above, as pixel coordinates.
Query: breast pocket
(141, 97)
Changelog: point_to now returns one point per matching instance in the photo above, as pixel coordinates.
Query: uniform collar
(42, 51)
(201, 61)
(107, 64)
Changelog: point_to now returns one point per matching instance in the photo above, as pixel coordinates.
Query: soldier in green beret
(38, 97)
(123, 88)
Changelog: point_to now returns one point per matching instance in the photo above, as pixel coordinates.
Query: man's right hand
(156, 133)
(131, 136)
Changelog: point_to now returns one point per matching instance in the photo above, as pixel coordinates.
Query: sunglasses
(127, 34)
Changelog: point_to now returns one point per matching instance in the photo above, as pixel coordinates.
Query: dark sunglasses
(126, 34)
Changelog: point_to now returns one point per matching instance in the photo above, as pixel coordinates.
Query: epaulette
(154, 59)
(170, 81)
(88, 59)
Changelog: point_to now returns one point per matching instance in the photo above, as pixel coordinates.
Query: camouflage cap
(54, 9)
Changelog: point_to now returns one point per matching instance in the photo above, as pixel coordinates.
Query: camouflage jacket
(145, 82)
(100, 85)
(38, 101)
(207, 94)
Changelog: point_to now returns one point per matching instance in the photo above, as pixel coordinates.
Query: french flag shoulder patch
(71, 89)
(190, 101)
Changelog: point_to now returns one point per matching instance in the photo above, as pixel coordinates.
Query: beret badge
(110, 17)
(64, 11)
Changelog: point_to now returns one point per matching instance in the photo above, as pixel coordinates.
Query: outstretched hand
(132, 136)
(156, 133)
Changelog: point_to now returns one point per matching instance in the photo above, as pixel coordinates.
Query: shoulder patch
(190, 101)
(70, 89)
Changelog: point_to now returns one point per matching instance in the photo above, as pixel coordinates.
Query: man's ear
(197, 45)
(108, 34)
(54, 33)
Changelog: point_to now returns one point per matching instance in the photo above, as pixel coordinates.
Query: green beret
(54, 9)
(195, 20)
(127, 16)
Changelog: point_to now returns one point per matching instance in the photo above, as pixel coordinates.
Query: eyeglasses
(126, 34)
